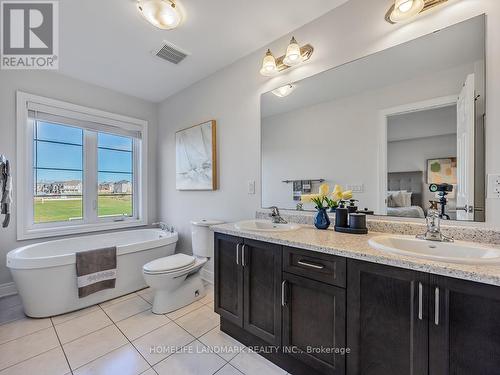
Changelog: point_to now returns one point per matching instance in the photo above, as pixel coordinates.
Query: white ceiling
(108, 43)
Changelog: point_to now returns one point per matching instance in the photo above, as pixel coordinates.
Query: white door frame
(425, 105)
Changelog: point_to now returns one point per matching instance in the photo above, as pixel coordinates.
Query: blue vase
(321, 219)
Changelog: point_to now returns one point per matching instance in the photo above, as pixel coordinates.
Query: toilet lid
(170, 263)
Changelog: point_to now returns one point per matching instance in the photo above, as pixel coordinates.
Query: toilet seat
(169, 264)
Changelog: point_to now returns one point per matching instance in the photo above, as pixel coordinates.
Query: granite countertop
(356, 247)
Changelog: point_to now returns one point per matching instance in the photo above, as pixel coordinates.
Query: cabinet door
(228, 278)
(314, 323)
(464, 328)
(262, 290)
(387, 322)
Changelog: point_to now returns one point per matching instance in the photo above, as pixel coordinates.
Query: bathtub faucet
(165, 227)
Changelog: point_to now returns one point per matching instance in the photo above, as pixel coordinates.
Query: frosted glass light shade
(283, 91)
(293, 55)
(406, 9)
(268, 65)
(164, 14)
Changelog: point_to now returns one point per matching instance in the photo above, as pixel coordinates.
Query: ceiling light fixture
(283, 91)
(403, 10)
(294, 56)
(164, 14)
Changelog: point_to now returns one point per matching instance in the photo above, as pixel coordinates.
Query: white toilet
(175, 279)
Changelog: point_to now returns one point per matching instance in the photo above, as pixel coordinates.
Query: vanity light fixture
(403, 10)
(269, 67)
(283, 91)
(164, 14)
(295, 55)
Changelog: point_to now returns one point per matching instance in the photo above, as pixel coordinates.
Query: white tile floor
(124, 337)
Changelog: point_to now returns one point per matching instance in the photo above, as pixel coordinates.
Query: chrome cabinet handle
(311, 265)
(243, 248)
(420, 300)
(238, 254)
(436, 306)
(283, 293)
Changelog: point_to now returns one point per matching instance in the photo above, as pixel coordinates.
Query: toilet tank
(202, 237)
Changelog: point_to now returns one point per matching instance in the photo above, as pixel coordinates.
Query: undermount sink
(449, 252)
(265, 226)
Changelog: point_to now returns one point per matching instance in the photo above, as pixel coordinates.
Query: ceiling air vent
(170, 52)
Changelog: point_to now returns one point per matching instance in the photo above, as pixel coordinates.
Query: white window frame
(26, 228)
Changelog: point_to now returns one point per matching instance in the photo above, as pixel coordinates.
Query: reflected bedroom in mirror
(409, 135)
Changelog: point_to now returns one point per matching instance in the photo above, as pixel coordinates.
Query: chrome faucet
(434, 226)
(276, 217)
(164, 227)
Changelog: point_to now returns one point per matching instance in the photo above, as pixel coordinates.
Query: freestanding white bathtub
(45, 273)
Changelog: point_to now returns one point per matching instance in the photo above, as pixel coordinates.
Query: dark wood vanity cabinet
(261, 263)
(248, 285)
(387, 330)
(314, 323)
(464, 328)
(228, 279)
(392, 321)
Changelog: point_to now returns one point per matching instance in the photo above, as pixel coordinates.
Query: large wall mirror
(399, 128)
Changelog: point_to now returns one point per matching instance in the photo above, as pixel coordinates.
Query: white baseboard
(7, 289)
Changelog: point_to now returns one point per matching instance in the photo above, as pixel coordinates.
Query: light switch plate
(251, 187)
(494, 186)
(355, 188)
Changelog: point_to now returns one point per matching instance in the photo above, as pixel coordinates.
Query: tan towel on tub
(95, 270)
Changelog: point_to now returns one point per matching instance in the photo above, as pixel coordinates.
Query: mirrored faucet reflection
(276, 217)
(433, 220)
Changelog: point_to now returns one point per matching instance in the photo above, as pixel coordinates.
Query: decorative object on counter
(347, 220)
(196, 164)
(357, 221)
(299, 206)
(341, 215)
(352, 208)
(366, 211)
(321, 219)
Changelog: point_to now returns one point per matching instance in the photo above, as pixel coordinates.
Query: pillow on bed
(399, 199)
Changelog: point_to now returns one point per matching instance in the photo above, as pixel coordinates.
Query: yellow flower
(346, 195)
(324, 189)
(337, 196)
(307, 198)
(337, 193)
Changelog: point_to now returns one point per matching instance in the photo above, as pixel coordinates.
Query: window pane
(115, 194)
(58, 196)
(58, 191)
(58, 133)
(114, 161)
(58, 156)
(114, 141)
(115, 205)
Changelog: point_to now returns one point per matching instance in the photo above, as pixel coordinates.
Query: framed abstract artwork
(442, 171)
(195, 157)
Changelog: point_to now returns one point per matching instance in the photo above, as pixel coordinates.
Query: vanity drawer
(326, 268)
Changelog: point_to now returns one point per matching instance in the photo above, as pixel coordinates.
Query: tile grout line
(34, 356)
(27, 334)
(62, 348)
(130, 342)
